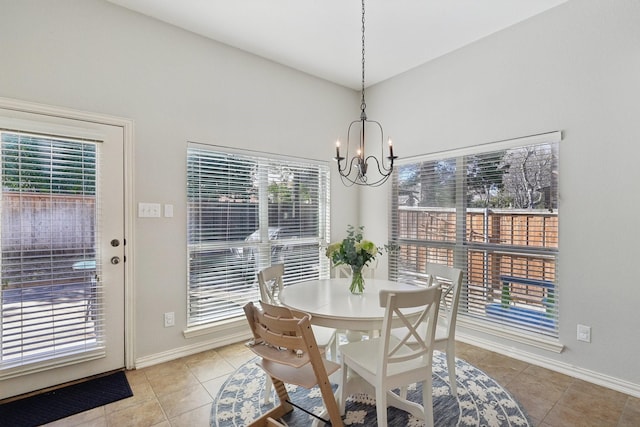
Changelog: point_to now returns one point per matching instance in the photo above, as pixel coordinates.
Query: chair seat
(303, 376)
(324, 336)
(368, 355)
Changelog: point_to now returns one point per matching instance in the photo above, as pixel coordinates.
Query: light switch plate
(148, 210)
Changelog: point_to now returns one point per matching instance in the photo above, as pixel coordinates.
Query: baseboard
(594, 377)
(188, 350)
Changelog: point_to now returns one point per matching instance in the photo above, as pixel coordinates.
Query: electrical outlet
(169, 319)
(584, 333)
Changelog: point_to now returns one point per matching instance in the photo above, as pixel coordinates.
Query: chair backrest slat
(270, 283)
(397, 316)
(343, 271)
(450, 280)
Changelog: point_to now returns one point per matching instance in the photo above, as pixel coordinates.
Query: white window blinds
(246, 212)
(493, 212)
(50, 298)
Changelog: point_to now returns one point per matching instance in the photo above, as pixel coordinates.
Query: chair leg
(343, 389)
(266, 393)
(451, 367)
(330, 403)
(427, 401)
(403, 392)
(332, 346)
(279, 411)
(381, 406)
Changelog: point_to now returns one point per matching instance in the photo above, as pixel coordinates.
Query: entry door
(62, 236)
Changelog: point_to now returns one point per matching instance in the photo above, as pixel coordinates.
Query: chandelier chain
(353, 167)
(363, 105)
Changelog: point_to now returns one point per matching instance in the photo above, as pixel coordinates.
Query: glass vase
(357, 281)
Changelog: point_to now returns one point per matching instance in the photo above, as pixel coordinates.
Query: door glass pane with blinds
(246, 212)
(494, 214)
(50, 297)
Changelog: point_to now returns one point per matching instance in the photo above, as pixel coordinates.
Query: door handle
(115, 260)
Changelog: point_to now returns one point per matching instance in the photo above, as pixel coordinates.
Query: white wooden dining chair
(387, 362)
(449, 279)
(271, 283)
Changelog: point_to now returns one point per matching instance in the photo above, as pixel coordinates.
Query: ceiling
(323, 37)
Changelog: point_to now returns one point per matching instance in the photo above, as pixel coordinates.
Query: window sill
(216, 328)
(500, 331)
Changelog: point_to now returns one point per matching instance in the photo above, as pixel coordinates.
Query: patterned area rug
(481, 401)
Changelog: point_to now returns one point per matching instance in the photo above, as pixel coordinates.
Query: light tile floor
(180, 392)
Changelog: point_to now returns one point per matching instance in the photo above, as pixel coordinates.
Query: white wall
(575, 68)
(94, 56)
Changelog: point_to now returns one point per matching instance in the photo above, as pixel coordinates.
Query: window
(245, 212)
(493, 212)
(50, 297)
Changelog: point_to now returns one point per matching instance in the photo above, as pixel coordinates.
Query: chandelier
(354, 170)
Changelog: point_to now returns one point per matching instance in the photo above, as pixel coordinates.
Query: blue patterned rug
(481, 401)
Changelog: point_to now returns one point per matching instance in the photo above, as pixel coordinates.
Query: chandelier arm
(338, 157)
(382, 169)
(346, 157)
(348, 182)
(391, 158)
(358, 181)
(346, 173)
(362, 180)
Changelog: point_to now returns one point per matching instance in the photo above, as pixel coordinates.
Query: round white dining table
(331, 304)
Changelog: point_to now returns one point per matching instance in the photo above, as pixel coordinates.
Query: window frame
(458, 247)
(259, 243)
(45, 172)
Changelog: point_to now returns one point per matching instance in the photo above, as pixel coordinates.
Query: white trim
(215, 328)
(502, 331)
(129, 217)
(129, 247)
(262, 155)
(33, 127)
(67, 113)
(549, 137)
(188, 350)
(588, 375)
(58, 362)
